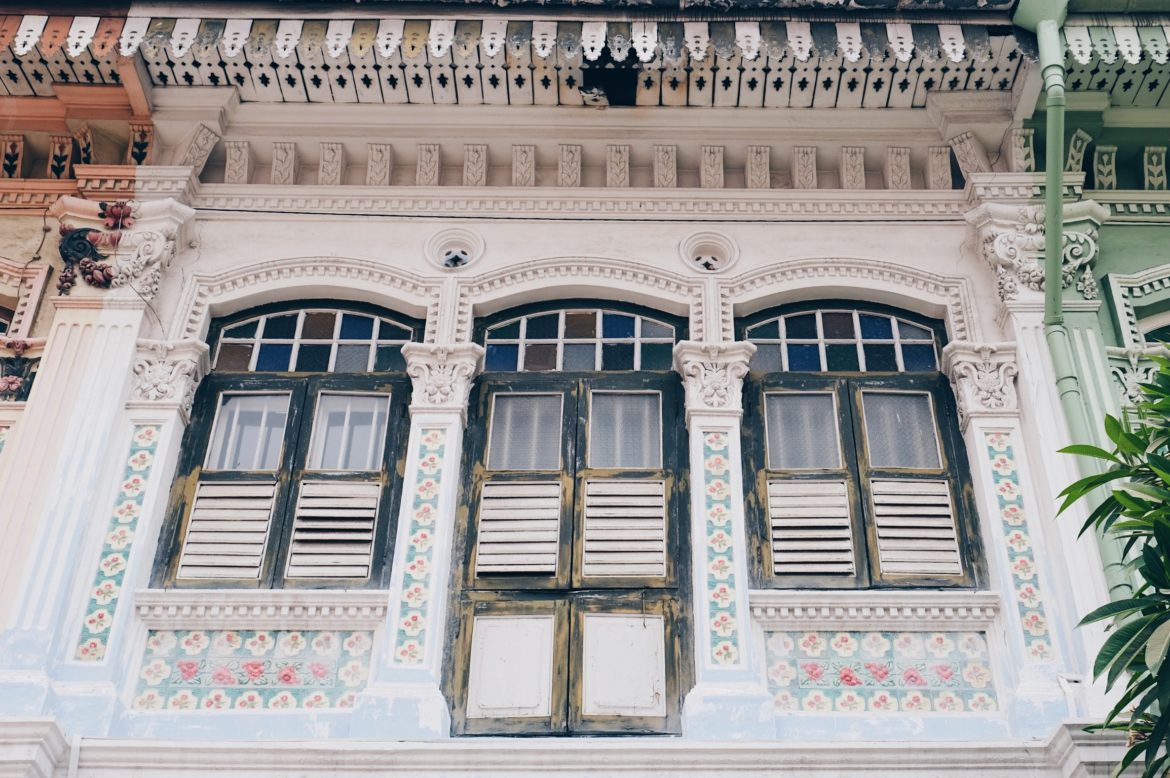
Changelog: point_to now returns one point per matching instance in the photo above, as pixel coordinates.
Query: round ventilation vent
(708, 252)
(455, 248)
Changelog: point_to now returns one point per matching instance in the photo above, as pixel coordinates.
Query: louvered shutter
(228, 530)
(519, 528)
(333, 529)
(916, 531)
(812, 531)
(625, 528)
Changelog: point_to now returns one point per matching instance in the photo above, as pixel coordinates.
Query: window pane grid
(579, 340)
(313, 340)
(248, 432)
(349, 432)
(840, 340)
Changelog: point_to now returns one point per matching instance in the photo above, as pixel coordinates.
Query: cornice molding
(262, 609)
(244, 201)
(777, 609)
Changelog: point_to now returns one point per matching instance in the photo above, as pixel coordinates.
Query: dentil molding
(713, 375)
(777, 609)
(442, 374)
(167, 373)
(260, 609)
(983, 376)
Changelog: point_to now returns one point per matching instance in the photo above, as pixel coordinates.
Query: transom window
(5, 320)
(290, 477)
(579, 340)
(313, 341)
(853, 437)
(842, 341)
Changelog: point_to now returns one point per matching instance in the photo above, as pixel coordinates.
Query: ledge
(1126, 205)
(778, 609)
(261, 608)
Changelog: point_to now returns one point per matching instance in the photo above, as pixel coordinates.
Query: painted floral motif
(914, 672)
(720, 566)
(1021, 555)
(116, 547)
(410, 642)
(252, 670)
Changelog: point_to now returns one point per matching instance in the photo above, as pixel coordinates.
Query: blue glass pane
(245, 330)
(770, 329)
(617, 356)
(879, 357)
(767, 359)
(356, 327)
(506, 332)
(545, 327)
(801, 327)
(804, 358)
(281, 326)
(875, 327)
(918, 358)
(388, 331)
(501, 357)
(274, 357)
(616, 325)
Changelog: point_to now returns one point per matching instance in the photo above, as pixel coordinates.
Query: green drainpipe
(1045, 18)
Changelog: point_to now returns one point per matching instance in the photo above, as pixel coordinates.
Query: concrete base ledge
(37, 748)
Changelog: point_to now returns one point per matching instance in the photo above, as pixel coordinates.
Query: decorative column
(58, 460)
(405, 697)
(728, 700)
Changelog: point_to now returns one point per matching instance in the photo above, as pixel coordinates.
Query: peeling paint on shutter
(811, 528)
(915, 527)
(519, 528)
(625, 528)
(228, 530)
(333, 530)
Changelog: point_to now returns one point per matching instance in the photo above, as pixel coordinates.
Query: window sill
(781, 609)
(261, 609)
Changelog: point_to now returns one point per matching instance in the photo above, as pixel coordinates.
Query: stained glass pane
(769, 330)
(546, 327)
(273, 357)
(352, 358)
(617, 356)
(875, 327)
(313, 358)
(919, 357)
(908, 331)
(581, 324)
(506, 332)
(879, 357)
(388, 331)
(389, 358)
(245, 330)
(580, 356)
(319, 325)
(767, 358)
(502, 358)
(234, 356)
(801, 327)
(617, 325)
(838, 325)
(280, 326)
(540, 356)
(652, 329)
(804, 358)
(842, 356)
(657, 356)
(355, 327)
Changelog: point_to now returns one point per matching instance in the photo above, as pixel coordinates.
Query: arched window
(287, 475)
(852, 433)
(575, 568)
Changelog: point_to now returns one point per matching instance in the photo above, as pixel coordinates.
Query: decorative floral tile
(724, 625)
(107, 583)
(413, 609)
(1021, 556)
(915, 672)
(250, 670)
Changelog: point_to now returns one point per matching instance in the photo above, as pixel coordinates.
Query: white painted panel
(511, 667)
(624, 665)
(916, 527)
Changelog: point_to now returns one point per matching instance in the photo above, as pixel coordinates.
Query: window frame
(848, 386)
(304, 390)
(568, 595)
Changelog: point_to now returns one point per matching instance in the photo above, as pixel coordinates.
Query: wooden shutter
(625, 528)
(519, 528)
(811, 527)
(333, 529)
(228, 530)
(916, 532)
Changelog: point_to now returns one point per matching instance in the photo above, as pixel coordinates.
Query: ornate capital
(442, 374)
(983, 376)
(166, 374)
(1130, 369)
(713, 375)
(1011, 240)
(118, 245)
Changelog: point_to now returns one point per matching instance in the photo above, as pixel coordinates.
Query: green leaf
(1156, 647)
(1082, 450)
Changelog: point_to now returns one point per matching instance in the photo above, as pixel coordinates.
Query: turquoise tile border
(102, 603)
(411, 636)
(1021, 556)
(721, 583)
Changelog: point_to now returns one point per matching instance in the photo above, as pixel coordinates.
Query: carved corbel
(983, 376)
(441, 374)
(713, 375)
(167, 373)
(1130, 369)
(119, 245)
